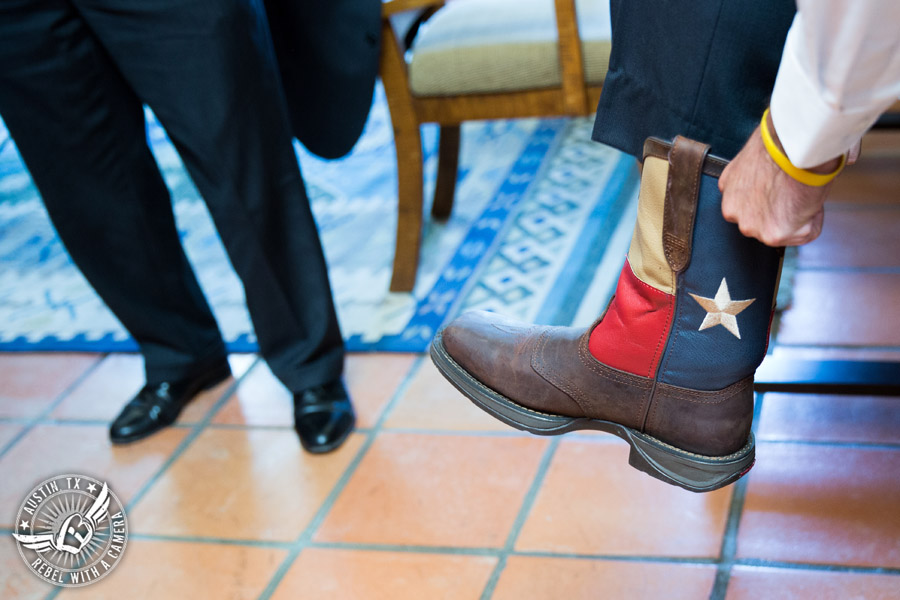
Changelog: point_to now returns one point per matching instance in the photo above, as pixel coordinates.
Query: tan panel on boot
(646, 255)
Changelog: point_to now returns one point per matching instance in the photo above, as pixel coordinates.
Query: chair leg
(409, 209)
(408, 144)
(448, 161)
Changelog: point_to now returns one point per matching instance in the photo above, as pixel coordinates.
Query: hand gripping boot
(669, 366)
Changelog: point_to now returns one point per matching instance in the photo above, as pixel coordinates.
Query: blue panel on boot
(715, 357)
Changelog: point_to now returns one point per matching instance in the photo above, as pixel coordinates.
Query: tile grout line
(891, 446)
(853, 445)
(48, 421)
(197, 539)
(511, 433)
(527, 504)
(629, 558)
(818, 567)
(407, 549)
(726, 559)
(735, 512)
(304, 540)
(475, 551)
(405, 430)
(195, 430)
(32, 422)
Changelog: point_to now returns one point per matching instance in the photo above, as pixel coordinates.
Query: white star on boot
(722, 310)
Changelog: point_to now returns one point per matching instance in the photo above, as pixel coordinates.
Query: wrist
(826, 167)
(818, 176)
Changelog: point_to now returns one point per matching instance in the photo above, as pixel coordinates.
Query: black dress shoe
(158, 405)
(323, 417)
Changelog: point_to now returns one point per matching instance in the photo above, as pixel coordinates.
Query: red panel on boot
(633, 333)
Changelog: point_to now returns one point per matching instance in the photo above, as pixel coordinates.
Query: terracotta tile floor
(431, 499)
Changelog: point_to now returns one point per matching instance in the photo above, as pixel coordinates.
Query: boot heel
(690, 471)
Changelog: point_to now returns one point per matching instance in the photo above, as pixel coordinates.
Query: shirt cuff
(811, 130)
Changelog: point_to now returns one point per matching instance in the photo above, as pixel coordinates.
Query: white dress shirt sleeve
(839, 71)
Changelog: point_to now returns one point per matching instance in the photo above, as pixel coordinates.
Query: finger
(818, 221)
(731, 216)
(774, 238)
(728, 212)
(750, 231)
(729, 205)
(799, 236)
(723, 179)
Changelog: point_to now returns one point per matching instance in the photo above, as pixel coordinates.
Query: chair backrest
(573, 97)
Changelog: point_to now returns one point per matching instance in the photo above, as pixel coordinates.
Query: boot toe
(497, 352)
(487, 345)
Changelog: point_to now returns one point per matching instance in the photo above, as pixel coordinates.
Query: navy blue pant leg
(704, 70)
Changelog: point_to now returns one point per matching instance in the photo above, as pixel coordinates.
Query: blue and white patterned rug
(540, 226)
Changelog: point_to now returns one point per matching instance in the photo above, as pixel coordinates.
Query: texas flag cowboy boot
(669, 366)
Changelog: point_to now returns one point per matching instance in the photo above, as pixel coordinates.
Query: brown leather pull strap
(685, 167)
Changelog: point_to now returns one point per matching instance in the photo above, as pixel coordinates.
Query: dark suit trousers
(73, 77)
(704, 70)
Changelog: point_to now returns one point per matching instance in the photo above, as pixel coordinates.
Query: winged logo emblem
(75, 532)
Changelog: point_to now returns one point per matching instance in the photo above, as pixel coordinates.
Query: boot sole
(689, 470)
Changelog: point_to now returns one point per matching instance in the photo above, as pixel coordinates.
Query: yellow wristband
(802, 175)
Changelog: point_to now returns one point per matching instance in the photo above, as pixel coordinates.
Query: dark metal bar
(860, 378)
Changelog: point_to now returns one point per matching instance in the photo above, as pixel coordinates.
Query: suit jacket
(327, 52)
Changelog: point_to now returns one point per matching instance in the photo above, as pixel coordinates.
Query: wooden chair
(428, 83)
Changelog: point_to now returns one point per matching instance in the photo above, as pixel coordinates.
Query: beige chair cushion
(483, 46)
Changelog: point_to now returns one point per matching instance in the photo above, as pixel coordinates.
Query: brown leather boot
(669, 366)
